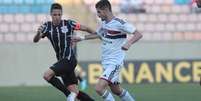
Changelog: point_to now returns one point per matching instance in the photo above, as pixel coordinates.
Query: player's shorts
(65, 68)
(111, 73)
(70, 79)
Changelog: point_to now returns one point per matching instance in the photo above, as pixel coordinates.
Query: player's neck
(110, 17)
(56, 23)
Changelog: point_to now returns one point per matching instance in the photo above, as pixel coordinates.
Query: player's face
(101, 14)
(56, 15)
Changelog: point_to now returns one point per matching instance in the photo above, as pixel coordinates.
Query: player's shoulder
(46, 23)
(118, 20)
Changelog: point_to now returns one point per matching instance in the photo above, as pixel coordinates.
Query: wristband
(82, 37)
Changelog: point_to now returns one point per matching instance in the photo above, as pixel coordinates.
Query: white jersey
(113, 35)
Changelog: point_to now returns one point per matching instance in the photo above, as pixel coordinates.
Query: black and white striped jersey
(60, 37)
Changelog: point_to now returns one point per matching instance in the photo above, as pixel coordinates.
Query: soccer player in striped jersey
(113, 33)
(59, 32)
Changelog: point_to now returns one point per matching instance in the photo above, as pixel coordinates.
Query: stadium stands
(19, 19)
(164, 20)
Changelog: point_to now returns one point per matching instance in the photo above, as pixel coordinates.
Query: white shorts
(111, 73)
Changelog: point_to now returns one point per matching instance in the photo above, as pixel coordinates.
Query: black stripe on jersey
(59, 38)
(115, 37)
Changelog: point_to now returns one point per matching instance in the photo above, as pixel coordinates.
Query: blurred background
(164, 65)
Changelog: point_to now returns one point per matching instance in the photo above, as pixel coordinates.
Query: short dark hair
(102, 4)
(55, 6)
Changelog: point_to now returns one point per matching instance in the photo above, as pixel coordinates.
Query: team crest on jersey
(64, 29)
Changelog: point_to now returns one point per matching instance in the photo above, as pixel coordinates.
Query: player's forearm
(136, 36)
(86, 29)
(90, 31)
(36, 38)
(89, 37)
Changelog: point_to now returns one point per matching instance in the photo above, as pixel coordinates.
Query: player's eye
(56, 14)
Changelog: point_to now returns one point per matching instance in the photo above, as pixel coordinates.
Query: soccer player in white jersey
(112, 32)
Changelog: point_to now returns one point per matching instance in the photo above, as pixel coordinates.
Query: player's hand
(125, 47)
(75, 39)
(40, 29)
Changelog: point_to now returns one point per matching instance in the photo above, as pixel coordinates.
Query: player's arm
(134, 38)
(86, 37)
(89, 37)
(87, 29)
(39, 34)
(135, 35)
(93, 34)
(78, 26)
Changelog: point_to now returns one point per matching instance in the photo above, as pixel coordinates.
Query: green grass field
(143, 92)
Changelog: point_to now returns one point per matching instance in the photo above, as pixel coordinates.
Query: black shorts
(65, 68)
(69, 79)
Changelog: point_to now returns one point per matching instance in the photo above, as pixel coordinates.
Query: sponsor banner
(153, 71)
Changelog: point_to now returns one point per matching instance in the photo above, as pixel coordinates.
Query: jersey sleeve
(99, 30)
(128, 28)
(74, 25)
(45, 29)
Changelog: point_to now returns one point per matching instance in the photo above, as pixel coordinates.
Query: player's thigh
(64, 67)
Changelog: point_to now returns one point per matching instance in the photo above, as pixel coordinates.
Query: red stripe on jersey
(110, 82)
(113, 32)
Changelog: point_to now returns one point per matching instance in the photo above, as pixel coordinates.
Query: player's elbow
(138, 35)
(90, 31)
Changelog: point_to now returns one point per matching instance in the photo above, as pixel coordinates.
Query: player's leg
(49, 76)
(83, 83)
(58, 69)
(102, 91)
(104, 81)
(69, 67)
(122, 93)
(71, 80)
(80, 74)
(115, 85)
(74, 92)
